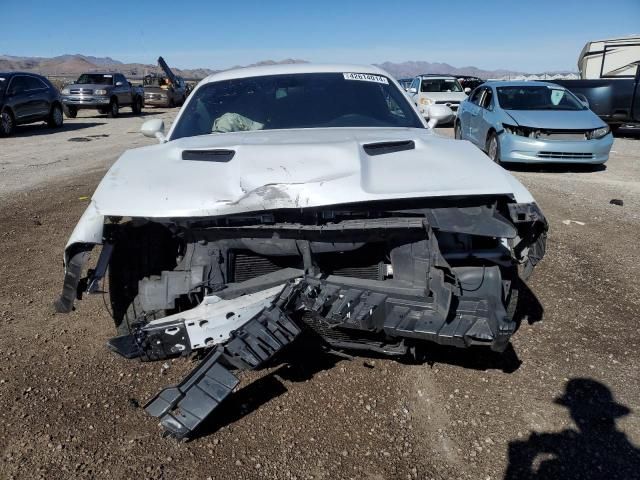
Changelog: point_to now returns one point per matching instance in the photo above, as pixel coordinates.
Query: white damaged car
(297, 199)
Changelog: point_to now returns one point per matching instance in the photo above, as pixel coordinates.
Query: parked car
(431, 89)
(105, 92)
(405, 82)
(28, 98)
(532, 122)
(296, 197)
(168, 90)
(470, 82)
(159, 91)
(610, 80)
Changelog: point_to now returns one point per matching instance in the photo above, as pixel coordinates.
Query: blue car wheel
(493, 147)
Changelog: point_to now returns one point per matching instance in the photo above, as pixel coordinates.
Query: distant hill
(73, 65)
(412, 68)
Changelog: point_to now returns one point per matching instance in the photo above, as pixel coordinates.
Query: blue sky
(524, 35)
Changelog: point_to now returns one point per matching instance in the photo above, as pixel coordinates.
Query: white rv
(615, 57)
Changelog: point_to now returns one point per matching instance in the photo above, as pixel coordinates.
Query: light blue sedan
(532, 122)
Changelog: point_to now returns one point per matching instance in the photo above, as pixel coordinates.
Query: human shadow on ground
(594, 450)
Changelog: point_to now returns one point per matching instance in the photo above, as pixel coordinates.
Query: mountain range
(72, 65)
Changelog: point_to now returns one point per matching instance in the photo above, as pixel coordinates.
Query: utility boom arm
(167, 70)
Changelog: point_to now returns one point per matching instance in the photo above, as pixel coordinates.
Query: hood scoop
(383, 148)
(217, 155)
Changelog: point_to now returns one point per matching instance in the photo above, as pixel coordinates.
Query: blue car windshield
(301, 100)
(537, 97)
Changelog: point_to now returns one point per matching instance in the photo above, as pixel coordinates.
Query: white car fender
(88, 230)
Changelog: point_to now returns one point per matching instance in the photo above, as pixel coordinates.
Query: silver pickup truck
(105, 92)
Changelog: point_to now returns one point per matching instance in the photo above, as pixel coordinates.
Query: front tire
(56, 119)
(458, 131)
(136, 106)
(114, 109)
(70, 111)
(493, 147)
(7, 124)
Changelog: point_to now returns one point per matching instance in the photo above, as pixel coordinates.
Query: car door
(38, 94)
(19, 100)
(636, 97)
(481, 123)
(473, 109)
(464, 116)
(122, 89)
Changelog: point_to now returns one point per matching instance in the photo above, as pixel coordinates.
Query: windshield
(440, 85)
(95, 78)
(155, 81)
(309, 100)
(539, 97)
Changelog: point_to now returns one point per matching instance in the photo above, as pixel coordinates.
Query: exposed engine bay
(380, 277)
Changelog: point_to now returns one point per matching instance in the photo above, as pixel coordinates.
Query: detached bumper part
(184, 407)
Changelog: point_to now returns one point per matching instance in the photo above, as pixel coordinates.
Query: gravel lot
(71, 409)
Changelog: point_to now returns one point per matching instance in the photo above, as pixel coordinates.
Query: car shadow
(628, 133)
(529, 307)
(35, 129)
(308, 356)
(298, 363)
(595, 449)
(127, 114)
(554, 167)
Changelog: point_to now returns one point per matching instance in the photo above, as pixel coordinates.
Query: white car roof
(284, 69)
(438, 77)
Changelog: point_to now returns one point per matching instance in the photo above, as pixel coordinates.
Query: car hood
(295, 169)
(446, 96)
(558, 119)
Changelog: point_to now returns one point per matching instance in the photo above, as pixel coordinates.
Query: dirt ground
(564, 402)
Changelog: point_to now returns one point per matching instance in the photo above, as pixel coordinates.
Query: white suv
(428, 90)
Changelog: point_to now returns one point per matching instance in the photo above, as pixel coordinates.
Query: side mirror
(154, 129)
(118, 84)
(412, 90)
(467, 90)
(438, 114)
(583, 99)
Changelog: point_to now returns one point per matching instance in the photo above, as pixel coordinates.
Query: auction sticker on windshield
(366, 77)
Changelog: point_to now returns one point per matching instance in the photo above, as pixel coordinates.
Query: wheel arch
(7, 108)
(58, 103)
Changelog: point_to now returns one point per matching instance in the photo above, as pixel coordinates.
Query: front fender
(88, 232)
